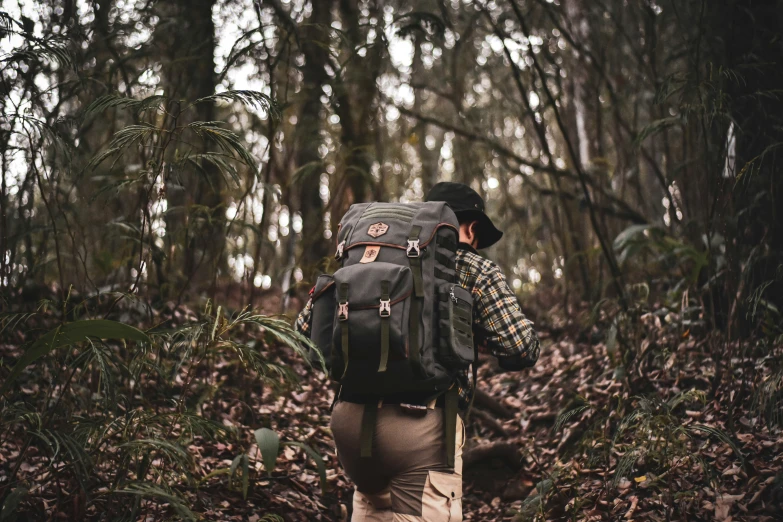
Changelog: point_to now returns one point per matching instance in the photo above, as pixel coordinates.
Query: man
(406, 478)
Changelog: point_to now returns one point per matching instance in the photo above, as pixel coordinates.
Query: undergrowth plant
(108, 416)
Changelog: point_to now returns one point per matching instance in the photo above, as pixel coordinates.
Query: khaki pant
(406, 479)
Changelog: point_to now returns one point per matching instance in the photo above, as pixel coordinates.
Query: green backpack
(392, 321)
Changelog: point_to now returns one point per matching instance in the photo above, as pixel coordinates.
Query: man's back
(404, 453)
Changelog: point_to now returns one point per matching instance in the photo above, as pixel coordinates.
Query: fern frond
(12, 321)
(114, 100)
(41, 50)
(720, 435)
(175, 453)
(254, 99)
(123, 139)
(152, 491)
(6, 22)
(686, 396)
(217, 160)
(283, 332)
(228, 141)
(626, 463)
(48, 133)
(564, 416)
(768, 400)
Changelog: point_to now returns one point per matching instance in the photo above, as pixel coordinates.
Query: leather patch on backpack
(377, 229)
(370, 254)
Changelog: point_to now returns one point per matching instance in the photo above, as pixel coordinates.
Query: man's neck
(468, 247)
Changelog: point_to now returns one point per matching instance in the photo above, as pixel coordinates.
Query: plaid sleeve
(302, 324)
(504, 328)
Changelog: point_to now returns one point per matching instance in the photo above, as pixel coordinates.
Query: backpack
(392, 320)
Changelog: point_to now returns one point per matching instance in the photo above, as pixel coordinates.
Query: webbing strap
(418, 291)
(418, 283)
(413, 333)
(343, 302)
(450, 412)
(444, 260)
(446, 242)
(345, 337)
(385, 311)
(369, 417)
(440, 274)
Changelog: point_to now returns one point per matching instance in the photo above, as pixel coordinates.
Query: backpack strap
(414, 255)
(342, 315)
(385, 312)
(369, 418)
(446, 242)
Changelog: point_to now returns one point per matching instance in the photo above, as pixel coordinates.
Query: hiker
(395, 420)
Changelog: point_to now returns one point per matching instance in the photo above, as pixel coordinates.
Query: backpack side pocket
(324, 305)
(455, 326)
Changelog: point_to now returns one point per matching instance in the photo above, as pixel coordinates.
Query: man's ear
(472, 230)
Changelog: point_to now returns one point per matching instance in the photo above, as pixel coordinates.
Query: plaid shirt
(499, 325)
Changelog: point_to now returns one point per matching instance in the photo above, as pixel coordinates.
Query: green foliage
(768, 399)
(70, 334)
(579, 405)
(152, 491)
(228, 141)
(654, 439)
(109, 101)
(8, 512)
(253, 99)
(122, 422)
(269, 445)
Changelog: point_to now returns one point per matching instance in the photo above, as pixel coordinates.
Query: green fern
(154, 492)
(566, 415)
(254, 99)
(228, 141)
(109, 101)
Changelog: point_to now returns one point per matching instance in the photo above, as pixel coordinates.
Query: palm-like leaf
(123, 139)
(228, 141)
(254, 99)
(109, 101)
(152, 491)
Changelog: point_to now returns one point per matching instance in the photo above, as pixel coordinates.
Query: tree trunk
(185, 35)
(308, 161)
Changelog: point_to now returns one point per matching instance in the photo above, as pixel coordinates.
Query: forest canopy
(178, 170)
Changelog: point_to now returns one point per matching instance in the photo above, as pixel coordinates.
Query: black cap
(468, 206)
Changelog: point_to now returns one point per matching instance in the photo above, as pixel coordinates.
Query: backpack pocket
(455, 326)
(371, 316)
(322, 319)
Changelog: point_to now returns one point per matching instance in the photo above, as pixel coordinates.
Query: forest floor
(519, 467)
(570, 439)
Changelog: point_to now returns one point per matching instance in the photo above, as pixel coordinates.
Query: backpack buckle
(413, 249)
(340, 248)
(385, 308)
(342, 311)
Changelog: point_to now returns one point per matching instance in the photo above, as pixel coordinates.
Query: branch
(484, 400)
(504, 451)
(494, 145)
(617, 277)
(489, 421)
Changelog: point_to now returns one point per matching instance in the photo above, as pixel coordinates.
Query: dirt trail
(518, 466)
